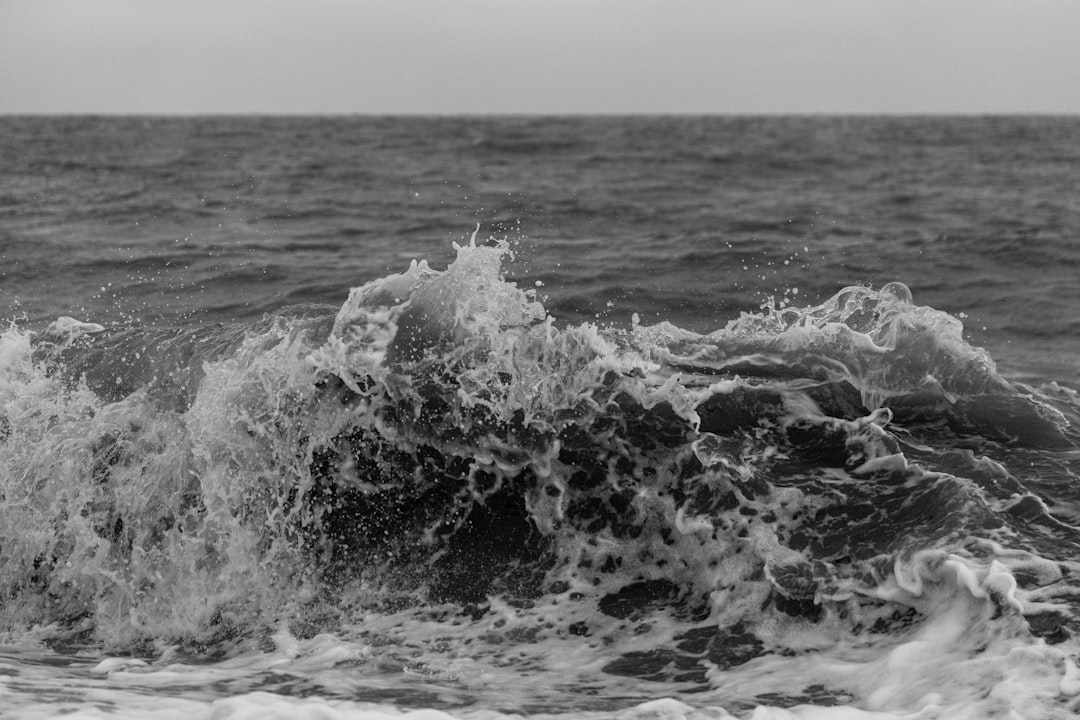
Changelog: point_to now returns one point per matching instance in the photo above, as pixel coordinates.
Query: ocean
(540, 417)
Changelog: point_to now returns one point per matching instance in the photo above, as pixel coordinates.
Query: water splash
(840, 481)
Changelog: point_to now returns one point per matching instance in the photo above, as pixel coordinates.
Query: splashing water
(436, 498)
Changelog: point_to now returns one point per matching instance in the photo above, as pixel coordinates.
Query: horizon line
(544, 114)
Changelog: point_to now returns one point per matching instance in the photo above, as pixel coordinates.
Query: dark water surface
(685, 219)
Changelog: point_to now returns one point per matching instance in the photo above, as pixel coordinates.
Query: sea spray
(826, 505)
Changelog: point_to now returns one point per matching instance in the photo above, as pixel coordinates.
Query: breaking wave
(849, 491)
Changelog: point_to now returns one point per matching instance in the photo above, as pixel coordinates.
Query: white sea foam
(751, 523)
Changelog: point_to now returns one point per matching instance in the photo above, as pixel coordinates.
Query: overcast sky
(539, 56)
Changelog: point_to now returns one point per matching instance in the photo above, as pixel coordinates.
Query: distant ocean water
(672, 417)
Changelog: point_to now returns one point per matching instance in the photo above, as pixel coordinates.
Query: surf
(827, 505)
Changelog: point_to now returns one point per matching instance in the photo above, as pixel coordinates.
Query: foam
(443, 501)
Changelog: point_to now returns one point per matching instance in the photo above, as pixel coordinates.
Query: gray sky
(539, 56)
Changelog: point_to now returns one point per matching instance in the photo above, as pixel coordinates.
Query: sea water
(539, 417)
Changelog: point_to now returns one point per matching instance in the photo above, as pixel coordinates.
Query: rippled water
(685, 219)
